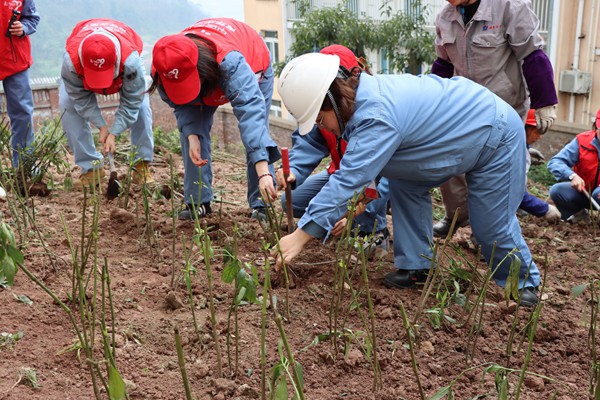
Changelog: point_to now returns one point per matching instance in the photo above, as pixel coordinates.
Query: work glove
(552, 215)
(544, 117)
(537, 158)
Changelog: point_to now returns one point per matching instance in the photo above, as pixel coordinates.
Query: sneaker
(89, 178)
(405, 278)
(202, 211)
(552, 215)
(580, 216)
(529, 297)
(441, 228)
(259, 214)
(141, 174)
(377, 244)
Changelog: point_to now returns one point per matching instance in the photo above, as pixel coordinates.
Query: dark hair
(208, 68)
(344, 95)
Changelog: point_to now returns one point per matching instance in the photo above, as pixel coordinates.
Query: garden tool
(593, 201)
(114, 186)
(285, 159)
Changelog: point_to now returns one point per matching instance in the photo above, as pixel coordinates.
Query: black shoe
(405, 278)
(441, 228)
(529, 297)
(202, 211)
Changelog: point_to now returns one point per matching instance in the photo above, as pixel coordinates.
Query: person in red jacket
(577, 168)
(18, 20)
(103, 56)
(211, 63)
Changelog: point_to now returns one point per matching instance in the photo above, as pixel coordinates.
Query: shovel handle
(285, 161)
(111, 162)
(595, 204)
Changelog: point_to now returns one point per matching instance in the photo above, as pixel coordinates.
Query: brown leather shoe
(93, 176)
(141, 174)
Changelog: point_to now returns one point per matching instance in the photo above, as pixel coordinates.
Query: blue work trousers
(570, 201)
(19, 106)
(496, 184)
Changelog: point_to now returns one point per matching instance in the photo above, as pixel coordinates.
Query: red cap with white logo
(98, 58)
(175, 59)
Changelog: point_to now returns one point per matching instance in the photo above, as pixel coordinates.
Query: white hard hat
(303, 84)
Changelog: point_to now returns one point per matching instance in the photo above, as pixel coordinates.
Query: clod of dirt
(427, 348)
(354, 358)
(173, 301)
(226, 386)
(120, 215)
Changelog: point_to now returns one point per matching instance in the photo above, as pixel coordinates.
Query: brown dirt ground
(144, 320)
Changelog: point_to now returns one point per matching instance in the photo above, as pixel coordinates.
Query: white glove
(537, 158)
(552, 215)
(544, 117)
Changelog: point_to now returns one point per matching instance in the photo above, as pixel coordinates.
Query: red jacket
(229, 35)
(337, 148)
(15, 53)
(130, 41)
(587, 166)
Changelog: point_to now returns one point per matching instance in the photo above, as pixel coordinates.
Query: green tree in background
(401, 36)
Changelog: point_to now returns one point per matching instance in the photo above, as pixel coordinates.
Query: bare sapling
(203, 241)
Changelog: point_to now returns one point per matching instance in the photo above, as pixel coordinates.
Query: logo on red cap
(98, 55)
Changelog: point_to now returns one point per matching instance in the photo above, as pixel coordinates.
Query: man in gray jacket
(495, 43)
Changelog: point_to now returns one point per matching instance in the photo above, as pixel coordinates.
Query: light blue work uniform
(567, 199)
(80, 107)
(306, 154)
(250, 98)
(418, 131)
(19, 98)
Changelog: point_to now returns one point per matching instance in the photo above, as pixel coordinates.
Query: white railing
(373, 9)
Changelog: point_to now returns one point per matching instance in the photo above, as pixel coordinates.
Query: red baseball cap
(531, 118)
(347, 57)
(598, 119)
(175, 59)
(98, 58)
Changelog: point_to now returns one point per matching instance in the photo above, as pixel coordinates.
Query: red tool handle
(285, 160)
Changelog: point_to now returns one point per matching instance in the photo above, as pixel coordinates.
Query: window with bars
(272, 42)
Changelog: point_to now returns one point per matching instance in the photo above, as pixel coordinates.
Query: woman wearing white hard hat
(417, 131)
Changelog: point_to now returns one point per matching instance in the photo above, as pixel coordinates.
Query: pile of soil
(148, 306)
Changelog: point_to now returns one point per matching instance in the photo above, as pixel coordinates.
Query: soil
(147, 307)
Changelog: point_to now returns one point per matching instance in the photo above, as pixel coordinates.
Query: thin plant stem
(411, 346)
(181, 362)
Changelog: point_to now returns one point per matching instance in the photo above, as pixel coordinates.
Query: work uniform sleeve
(522, 29)
(241, 88)
(440, 50)
(307, 153)
(131, 94)
(29, 18)
(371, 145)
(84, 100)
(561, 165)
